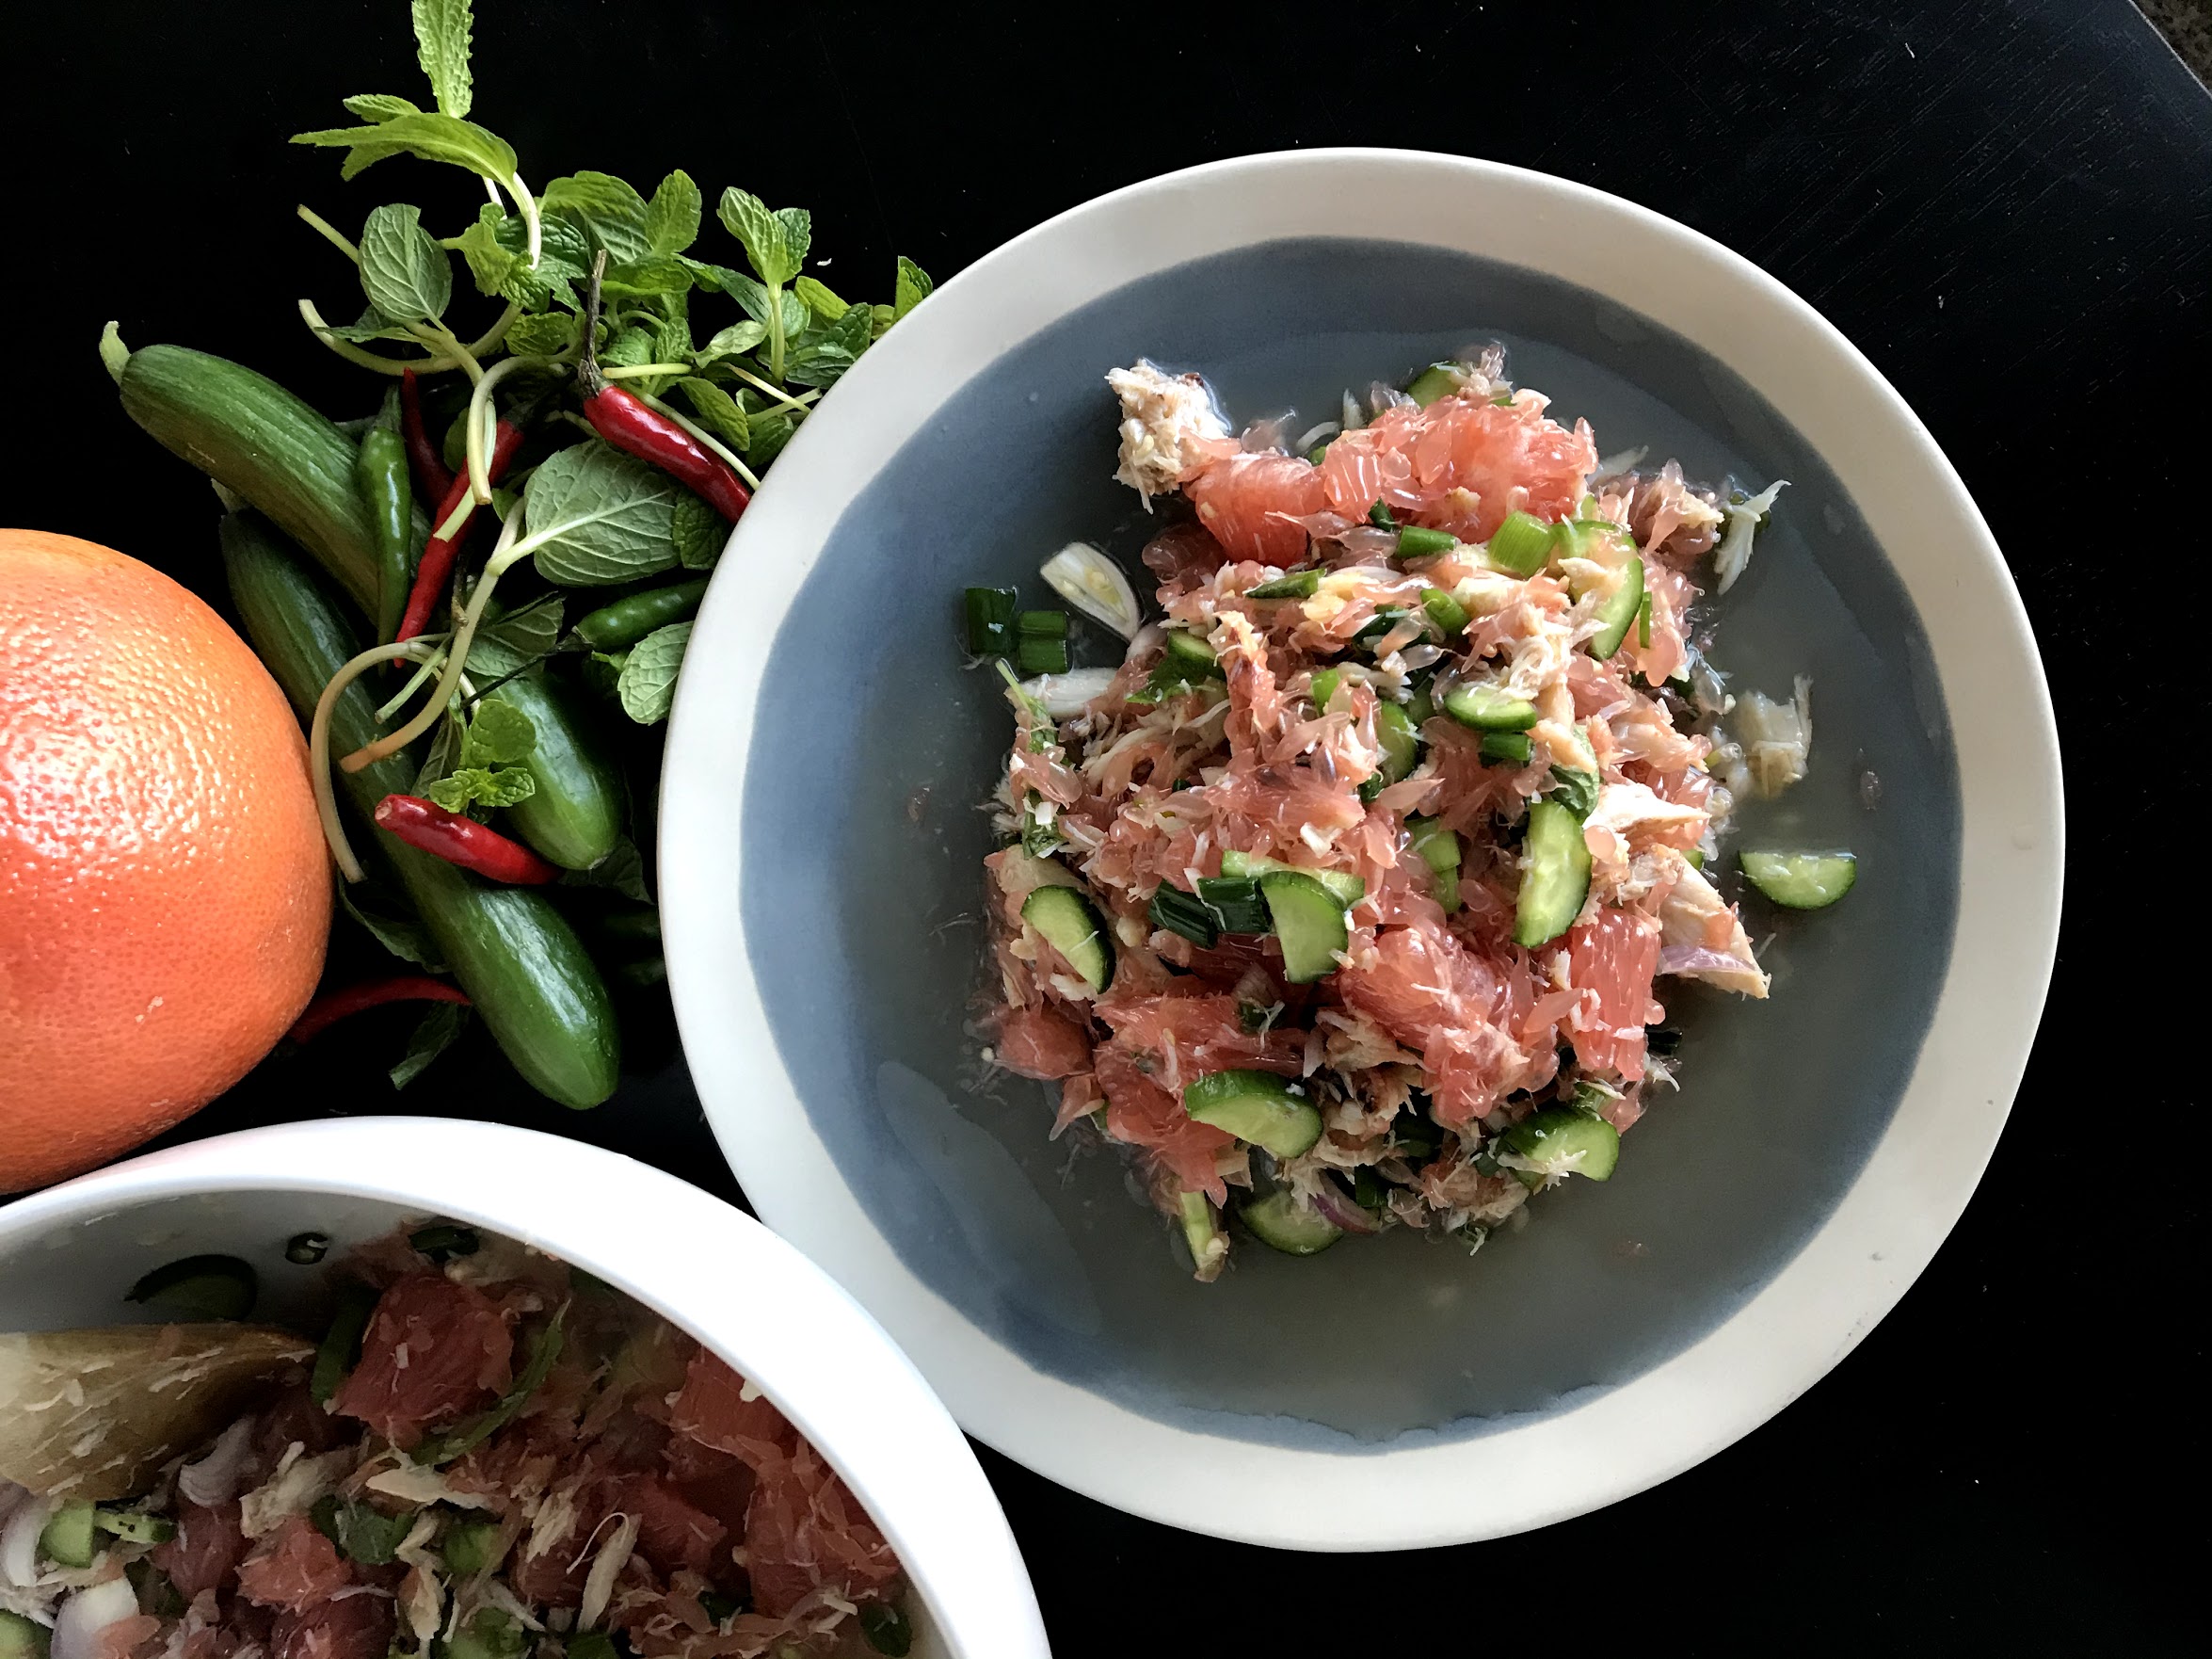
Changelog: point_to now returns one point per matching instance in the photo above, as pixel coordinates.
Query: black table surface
(2006, 206)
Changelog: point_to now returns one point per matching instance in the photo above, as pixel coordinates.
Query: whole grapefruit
(165, 895)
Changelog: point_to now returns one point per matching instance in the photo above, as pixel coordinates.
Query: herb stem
(370, 360)
(438, 334)
(528, 204)
(318, 744)
(706, 439)
(767, 389)
(430, 665)
(330, 233)
(483, 415)
(489, 340)
(640, 370)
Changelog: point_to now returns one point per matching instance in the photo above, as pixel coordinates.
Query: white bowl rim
(1920, 1176)
(789, 1333)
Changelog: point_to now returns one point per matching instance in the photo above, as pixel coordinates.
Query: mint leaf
(547, 334)
(434, 1034)
(798, 237)
(379, 106)
(497, 249)
(648, 684)
(441, 42)
(406, 939)
(623, 870)
(818, 300)
(912, 287)
(373, 325)
(444, 751)
(717, 410)
(698, 531)
(769, 437)
(499, 735)
(516, 641)
(734, 341)
(610, 215)
(482, 787)
(406, 275)
(607, 516)
(427, 136)
(672, 218)
(766, 236)
(631, 349)
(649, 278)
(819, 356)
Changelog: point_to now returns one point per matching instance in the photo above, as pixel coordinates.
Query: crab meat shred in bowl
(1340, 895)
(488, 1456)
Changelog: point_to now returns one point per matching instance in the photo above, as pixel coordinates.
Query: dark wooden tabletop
(2005, 204)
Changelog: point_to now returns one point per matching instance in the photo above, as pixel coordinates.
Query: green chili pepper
(613, 627)
(380, 470)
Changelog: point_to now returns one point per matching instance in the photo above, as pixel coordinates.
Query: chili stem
(483, 419)
(370, 360)
(330, 233)
(318, 744)
(705, 440)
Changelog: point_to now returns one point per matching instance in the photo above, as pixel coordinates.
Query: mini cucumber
(523, 967)
(67, 1539)
(1400, 743)
(1801, 880)
(1487, 708)
(1255, 1106)
(1560, 1140)
(1072, 926)
(1618, 613)
(574, 817)
(263, 444)
(1310, 921)
(1345, 885)
(1555, 877)
(207, 1287)
(1282, 1223)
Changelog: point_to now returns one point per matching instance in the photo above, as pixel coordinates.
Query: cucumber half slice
(67, 1540)
(1347, 887)
(23, 1638)
(1616, 614)
(1439, 380)
(1074, 928)
(1282, 1223)
(1802, 881)
(1310, 921)
(1556, 878)
(1487, 709)
(1560, 1140)
(1255, 1106)
(1400, 745)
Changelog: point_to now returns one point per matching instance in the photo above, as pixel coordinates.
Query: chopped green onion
(887, 1629)
(342, 1343)
(1035, 655)
(1418, 541)
(1694, 858)
(1381, 517)
(361, 1533)
(135, 1526)
(990, 621)
(1179, 913)
(1520, 546)
(1235, 904)
(1290, 585)
(1325, 687)
(1041, 624)
(1508, 749)
(1387, 617)
(1446, 611)
(304, 1249)
(442, 1241)
(1643, 620)
(1420, 706)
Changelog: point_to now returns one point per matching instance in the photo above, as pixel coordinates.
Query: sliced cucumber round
(1618, 613)
(1400, 743)
(1192, 654)
(1560, 1140)
(213, 1287)
(1487, 708)
(1256, 1106)
(67, 1539)
(1802, 881)
(1345, 885)
(22, 1637)
(1310, 922)
(1072, 926)
(1281, 1222)
(1555, 879)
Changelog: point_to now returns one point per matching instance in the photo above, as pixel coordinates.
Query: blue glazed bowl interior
(862, 889)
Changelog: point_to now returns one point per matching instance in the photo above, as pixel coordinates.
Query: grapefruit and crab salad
(1345, 898)
(488, 1456)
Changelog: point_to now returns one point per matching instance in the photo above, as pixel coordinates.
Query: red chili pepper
(432, 475)
(438, 552)
(636, 428)
(459, 840)
(334, 1006)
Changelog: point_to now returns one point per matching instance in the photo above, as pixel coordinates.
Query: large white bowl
(821, 1029)
(67, 1255)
